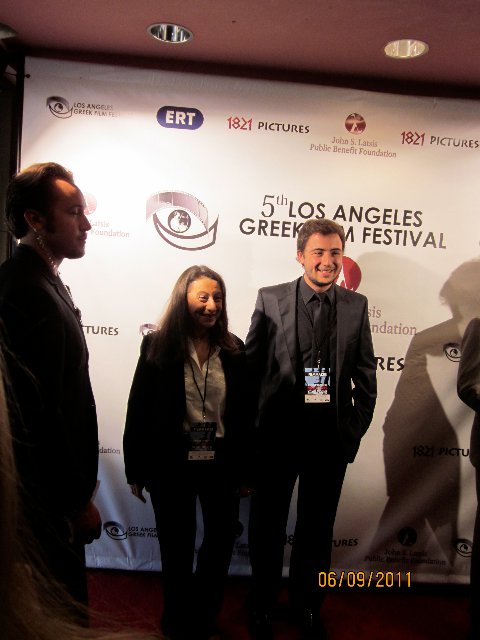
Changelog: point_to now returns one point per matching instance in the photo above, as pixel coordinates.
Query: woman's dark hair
(176, 325)
(31, 189)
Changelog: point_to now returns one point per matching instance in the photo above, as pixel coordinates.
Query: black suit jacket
(154, 441)
(468, 383)
(272, 352)
(51, 402)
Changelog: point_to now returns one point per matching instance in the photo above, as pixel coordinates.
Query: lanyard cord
(203, 397)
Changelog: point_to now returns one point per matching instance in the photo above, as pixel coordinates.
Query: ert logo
(180, 118)
(350, 275)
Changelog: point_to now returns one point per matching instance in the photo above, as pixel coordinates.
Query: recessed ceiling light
(172, 33)
(404, 49)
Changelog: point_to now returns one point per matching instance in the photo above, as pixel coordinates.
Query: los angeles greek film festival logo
(182, 220)
(60, 108)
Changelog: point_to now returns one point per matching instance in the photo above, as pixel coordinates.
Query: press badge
(317, 384)
(202, 441)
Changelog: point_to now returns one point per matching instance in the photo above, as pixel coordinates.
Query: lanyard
(203, 397)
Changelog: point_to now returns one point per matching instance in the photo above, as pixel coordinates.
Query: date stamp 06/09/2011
(360, 579)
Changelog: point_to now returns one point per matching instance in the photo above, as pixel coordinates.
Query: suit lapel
(342, 319)
(287, 306)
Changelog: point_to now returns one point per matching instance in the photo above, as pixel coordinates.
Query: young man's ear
(34, 219)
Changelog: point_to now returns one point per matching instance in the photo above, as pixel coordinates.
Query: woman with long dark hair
(186, 437)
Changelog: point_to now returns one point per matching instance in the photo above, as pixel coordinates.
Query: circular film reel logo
(463, 547)
(115, 530)
(147, 328)
(182, 220)
(59, 107)
(453, 351)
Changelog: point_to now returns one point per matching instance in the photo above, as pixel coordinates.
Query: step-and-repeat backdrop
(181, 169)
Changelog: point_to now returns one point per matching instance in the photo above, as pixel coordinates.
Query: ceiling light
(404, 49)
(172, 33)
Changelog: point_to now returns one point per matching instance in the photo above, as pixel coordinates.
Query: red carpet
(422, 612)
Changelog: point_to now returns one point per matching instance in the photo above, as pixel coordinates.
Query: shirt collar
(308, 293)
(193, 353)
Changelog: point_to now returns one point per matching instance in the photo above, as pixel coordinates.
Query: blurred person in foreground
(32, 605)
(51, 404)
(186, 435)
(468, 387)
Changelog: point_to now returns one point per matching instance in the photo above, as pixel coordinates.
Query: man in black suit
(468, 386)
(310, 351)
(51, 403)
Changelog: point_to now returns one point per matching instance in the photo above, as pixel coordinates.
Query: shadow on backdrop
(421, 449)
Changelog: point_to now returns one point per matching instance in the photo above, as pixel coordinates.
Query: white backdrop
(255, 159)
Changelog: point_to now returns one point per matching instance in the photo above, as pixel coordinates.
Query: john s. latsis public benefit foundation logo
(182, 220)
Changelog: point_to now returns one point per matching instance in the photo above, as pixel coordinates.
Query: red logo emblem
(350, 275)
(91, 203)
(355, 123)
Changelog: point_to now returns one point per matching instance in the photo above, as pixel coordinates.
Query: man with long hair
(52, 407)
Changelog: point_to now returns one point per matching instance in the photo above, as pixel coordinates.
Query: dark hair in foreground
(176, 325)
(323, 226)
(32, 605)
(31, 189)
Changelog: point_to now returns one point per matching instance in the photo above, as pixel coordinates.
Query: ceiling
(324, 41)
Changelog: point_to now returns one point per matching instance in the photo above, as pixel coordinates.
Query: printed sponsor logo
(115, 530)
(429, 451)
(182, 220)
(417, 139)
(390, 363)
(110, 450)
(463, 547)
(242, 123)
(239, 123)
(350, 275)
(355, 124)
(457, 143)
(453, 351)
(180, 117)
(413, 138)
(91, 202)
(60, 108)
(142, 532)
(147, 328)
(345, 542)
(97, 330)
(355, 146)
